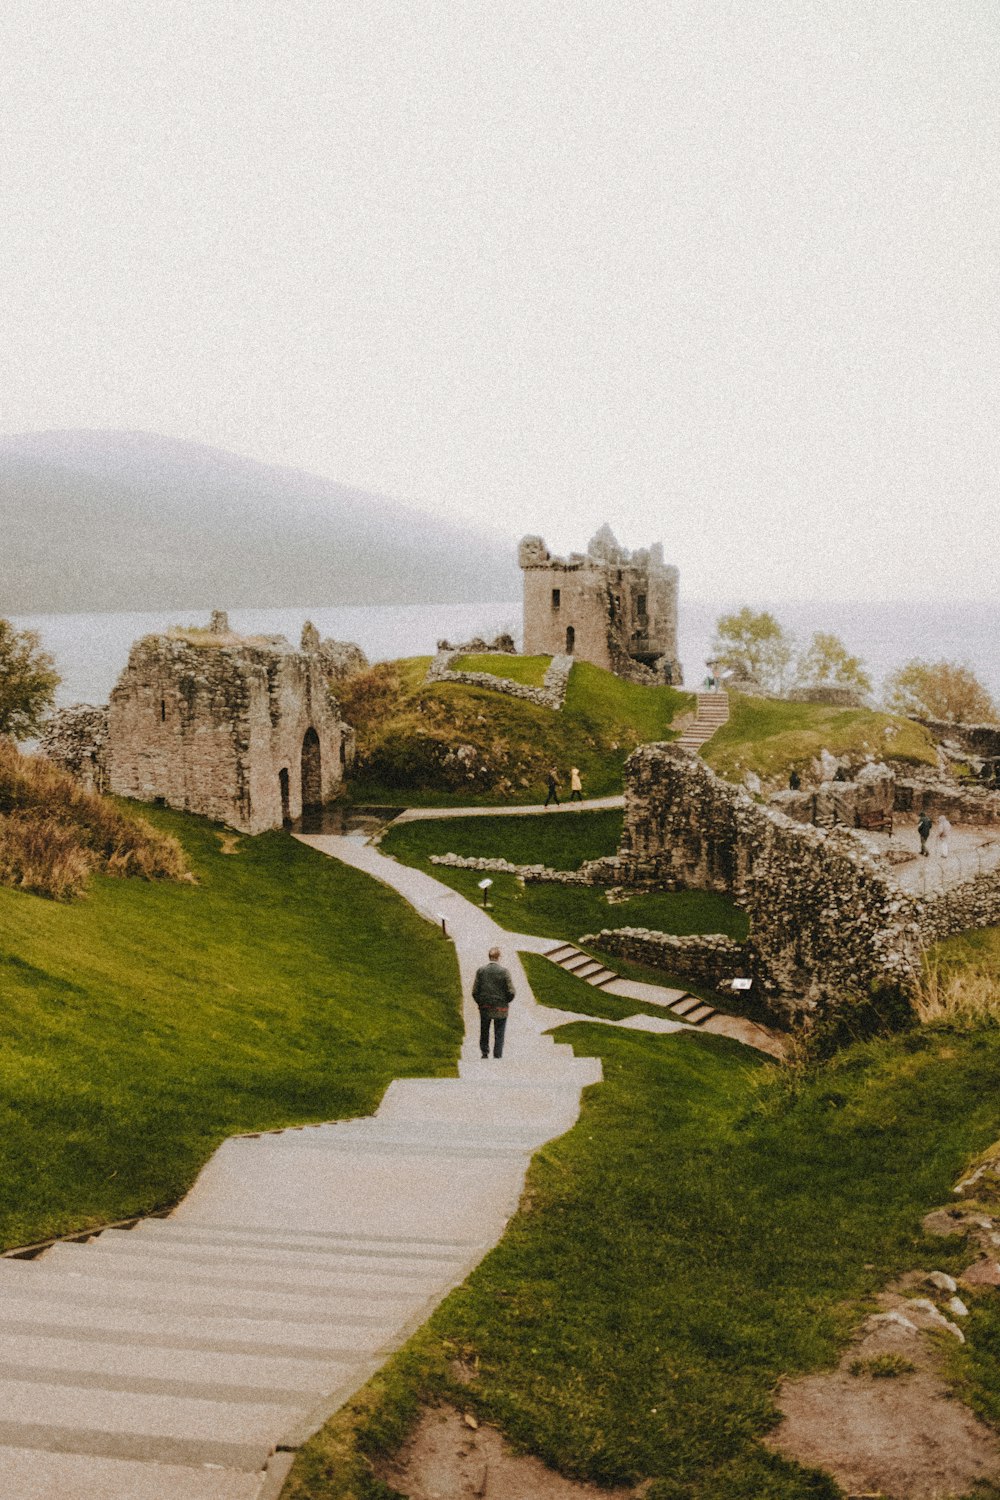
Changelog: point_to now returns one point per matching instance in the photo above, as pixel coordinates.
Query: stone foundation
(551, 694)
(703, 958)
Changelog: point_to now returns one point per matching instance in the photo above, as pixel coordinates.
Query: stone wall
(961, 803)
(528, 873)
(242, 730)
(866, 801)
(76, 738)
(702, 958)
(551, 694)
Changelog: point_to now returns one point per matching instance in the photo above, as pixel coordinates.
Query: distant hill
(133, 521)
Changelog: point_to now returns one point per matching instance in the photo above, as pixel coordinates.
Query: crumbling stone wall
(551, 694)
(866, 801)
(76, 738)
(226, 726)
(969, 804)
(612, 607)
(698, 958)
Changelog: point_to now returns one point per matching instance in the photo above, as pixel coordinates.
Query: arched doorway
(286, 804)
(570, 640)
(312, 774)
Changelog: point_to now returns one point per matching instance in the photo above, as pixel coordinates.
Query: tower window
(640, 604)
(555, 598)
(163, 710)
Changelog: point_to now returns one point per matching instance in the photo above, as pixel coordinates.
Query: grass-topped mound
(140, 1027)
(529, 670)
(771, 737)
(448, 743)
(54, 835)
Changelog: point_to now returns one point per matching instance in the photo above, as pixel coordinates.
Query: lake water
(91, 649)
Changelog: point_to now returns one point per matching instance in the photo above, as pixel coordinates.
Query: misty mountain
(134, 521)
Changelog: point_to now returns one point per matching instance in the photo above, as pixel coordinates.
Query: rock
(922, 1311)
(981, 1273)
(879, 1320)
(957, 1306)
(942, 1281)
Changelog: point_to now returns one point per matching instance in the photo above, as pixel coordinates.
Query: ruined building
(242, 729)
(609, 606)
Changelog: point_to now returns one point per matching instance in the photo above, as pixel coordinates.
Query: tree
(939, 690)
(28, 682)
(827, 663)
(753, 643)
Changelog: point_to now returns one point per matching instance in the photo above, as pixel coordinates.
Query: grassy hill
(771, 737)
(443, 742)
(143, 1024)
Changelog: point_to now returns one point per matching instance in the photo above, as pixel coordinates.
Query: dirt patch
(230, 843)
(446, 1459)
(893, 1428)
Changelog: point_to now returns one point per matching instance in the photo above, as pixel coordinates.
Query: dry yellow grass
(966, 997)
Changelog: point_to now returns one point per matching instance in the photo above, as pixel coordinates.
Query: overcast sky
(723, 273)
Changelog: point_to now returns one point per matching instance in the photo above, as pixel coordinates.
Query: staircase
(689, 1008)
(713, 712)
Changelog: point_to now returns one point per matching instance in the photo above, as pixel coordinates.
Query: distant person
(492, 990)
(575, 785)
(924, 829)
(840, 774)
(794, 781)
(943, 834)
(552, 781)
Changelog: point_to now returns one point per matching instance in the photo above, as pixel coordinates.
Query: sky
(721, 273)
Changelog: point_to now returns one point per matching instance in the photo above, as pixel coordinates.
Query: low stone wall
(974, 903)
(978, 806)
(551, 694)
(836, 697)
(702, 958)
(529, 873)
(979, 739)
(76, 738)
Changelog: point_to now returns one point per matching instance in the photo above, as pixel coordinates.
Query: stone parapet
(702, 958)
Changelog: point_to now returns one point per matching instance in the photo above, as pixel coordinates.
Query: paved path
(172, 1361)
(592, 804)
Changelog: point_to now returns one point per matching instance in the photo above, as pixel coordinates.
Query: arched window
(570, 640)
(312, 771)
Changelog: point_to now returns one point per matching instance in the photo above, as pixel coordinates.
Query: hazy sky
(724, 273)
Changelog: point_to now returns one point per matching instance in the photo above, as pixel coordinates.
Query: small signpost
(484, 886)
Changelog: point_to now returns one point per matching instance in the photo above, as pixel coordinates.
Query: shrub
(53, 832)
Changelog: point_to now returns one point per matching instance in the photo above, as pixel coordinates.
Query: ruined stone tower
(609, 606)
(240, 729)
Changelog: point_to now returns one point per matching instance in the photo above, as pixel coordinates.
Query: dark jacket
(492, 989)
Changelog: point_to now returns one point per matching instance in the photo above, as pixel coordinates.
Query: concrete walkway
(592, 804)
(186, 1359)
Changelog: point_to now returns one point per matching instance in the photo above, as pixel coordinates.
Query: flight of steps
(689, 1008)
(186, 1358)
(712, 713)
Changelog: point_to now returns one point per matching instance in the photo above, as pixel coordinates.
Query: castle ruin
(241, 729)
(609, 606)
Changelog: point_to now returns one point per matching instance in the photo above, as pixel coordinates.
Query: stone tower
(609, 606)
(241, 729)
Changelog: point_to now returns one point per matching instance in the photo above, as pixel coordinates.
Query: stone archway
(286, 801)
(312, 771)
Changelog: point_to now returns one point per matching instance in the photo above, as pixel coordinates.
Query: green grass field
(143, 1024)
(771, 737)
(709, 1225)
(410, 734)
(563, 841)
(529, 670)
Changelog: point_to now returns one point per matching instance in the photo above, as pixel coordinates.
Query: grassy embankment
(562, 841)
(142, 1024)
(771, 737)
(424, 743)
(710, 1224)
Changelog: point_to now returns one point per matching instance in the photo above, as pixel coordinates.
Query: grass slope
(142, 1025)
(452, 744)
(771, 737)
(708, 1226)
(562, 841)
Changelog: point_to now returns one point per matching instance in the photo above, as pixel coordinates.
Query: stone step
(601, 978)
(135, 1365)
(685, 1006)
(191, 1263)
(483, 1097)
(429, 1131)
(574, 962)
(565, 949)
(146, 1448)
(157, 1385)
(63, 1317)
(260, 1259)
(585, 970)
(331, 1246)
(35, 1474)
(244, 1433)
(99, 1283)
(696, 1017)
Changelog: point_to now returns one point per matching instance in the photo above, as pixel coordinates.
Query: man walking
(924, 829)
(492, 990)
(553, 784)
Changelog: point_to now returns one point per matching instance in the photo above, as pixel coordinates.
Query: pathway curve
(591, 804)
(186, 1359)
